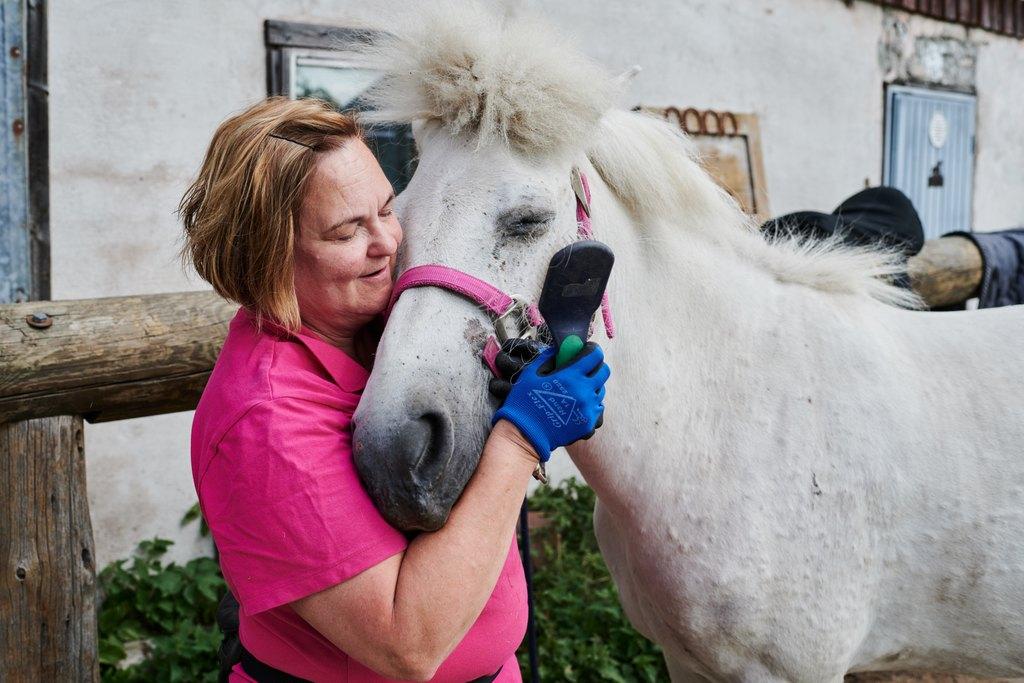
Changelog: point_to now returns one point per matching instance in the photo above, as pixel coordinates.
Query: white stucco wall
(999, 174)
(138, 88)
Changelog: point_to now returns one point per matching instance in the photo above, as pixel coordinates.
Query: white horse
(796, 477)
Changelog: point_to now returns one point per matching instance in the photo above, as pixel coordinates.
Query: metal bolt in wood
(40, 321)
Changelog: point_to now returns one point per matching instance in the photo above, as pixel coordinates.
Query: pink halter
(502, 307)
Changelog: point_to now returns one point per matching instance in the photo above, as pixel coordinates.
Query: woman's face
(346, 243)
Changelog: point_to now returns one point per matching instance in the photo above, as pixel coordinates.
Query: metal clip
(577, 187)
(514, 323)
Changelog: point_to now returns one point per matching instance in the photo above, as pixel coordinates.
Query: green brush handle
(571, 346)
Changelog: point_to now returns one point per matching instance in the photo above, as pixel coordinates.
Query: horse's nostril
(409, 467)
(430, 440)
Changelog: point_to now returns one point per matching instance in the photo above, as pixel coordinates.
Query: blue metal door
(929, 154)
(15, 255)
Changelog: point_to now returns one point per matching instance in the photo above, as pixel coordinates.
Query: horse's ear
(628, 75)
(424, 129)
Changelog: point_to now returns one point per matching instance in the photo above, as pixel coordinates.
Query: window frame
(286, 40)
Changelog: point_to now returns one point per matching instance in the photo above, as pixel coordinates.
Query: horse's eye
(530, 224)
(519, 223)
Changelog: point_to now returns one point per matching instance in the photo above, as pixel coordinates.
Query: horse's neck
(695, 300)
(694, 322)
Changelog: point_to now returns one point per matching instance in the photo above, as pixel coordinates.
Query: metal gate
(929, 154)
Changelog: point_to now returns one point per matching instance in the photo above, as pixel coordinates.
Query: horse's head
(500, 114)
(497, 216)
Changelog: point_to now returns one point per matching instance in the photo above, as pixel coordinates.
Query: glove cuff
(533, 435)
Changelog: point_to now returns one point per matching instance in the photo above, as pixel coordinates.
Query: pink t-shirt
(272, 464)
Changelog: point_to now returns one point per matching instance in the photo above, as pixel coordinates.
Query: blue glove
(555, 408)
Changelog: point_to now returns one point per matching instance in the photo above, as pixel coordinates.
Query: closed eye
(524, 223)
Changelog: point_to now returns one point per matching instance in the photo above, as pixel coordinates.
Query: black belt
(264, 673)
(487, 679)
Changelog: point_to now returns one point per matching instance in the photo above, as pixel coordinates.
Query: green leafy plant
(193, 514)
(582, 634)
(166, 611)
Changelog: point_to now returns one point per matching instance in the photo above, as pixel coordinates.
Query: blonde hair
(241, 212)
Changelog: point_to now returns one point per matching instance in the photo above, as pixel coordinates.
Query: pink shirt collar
(349, 375)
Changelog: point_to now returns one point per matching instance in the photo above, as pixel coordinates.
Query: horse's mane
(514, 80)
(652, 168)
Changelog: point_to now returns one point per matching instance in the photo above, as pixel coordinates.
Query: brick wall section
(999, 16)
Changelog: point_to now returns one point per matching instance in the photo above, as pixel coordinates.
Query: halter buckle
(514, 323)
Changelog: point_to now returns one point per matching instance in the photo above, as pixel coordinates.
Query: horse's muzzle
(406, 466)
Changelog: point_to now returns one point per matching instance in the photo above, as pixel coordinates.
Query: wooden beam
(319, 36)
(946, 271)
(110, 358)
(38, 95)
(47, 572)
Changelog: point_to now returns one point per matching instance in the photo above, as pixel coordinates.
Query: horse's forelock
(510, 79)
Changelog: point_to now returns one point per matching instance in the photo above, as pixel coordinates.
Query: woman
(291, 217)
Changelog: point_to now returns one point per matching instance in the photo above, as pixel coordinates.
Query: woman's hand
(515, 354)
(556, 407)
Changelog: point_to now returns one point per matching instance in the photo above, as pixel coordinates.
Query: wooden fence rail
(110, 359)
(946, 271)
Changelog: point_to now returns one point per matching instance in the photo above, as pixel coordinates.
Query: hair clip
(294, 142)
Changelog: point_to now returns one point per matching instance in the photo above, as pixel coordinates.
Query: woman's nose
(385, 241)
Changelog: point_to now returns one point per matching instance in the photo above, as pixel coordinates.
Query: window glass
(332, 81)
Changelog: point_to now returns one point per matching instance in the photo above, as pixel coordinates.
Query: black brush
(576, 280)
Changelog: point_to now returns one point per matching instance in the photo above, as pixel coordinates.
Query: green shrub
(582, 634)
(171, 609)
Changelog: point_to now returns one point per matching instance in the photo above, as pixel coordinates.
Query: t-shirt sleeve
(286, 507)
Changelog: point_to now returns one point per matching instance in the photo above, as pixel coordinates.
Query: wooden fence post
(48, 588)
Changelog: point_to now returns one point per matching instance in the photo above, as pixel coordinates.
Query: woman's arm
(404, 616)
